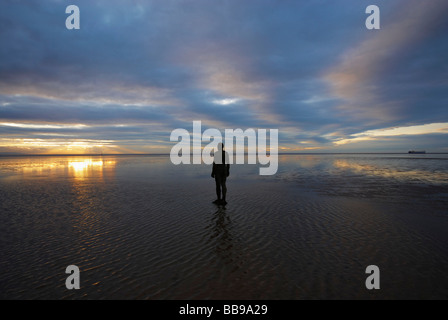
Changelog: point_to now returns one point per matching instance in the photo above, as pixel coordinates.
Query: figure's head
(220, 146)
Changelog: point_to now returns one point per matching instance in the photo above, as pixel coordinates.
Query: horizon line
(167, 154)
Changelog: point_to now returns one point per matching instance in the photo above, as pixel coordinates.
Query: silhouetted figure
(221, 170)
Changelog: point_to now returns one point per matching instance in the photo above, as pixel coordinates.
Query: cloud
(432, 128)
(49, 110)
(137, 70)
(384, 79)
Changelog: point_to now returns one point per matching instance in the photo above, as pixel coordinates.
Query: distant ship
(416, 152)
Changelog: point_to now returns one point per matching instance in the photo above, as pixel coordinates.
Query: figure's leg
(218, 188)
(224, 190)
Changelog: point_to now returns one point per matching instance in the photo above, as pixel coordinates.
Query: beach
(139, 227)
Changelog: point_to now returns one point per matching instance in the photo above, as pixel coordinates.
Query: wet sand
(141, 228)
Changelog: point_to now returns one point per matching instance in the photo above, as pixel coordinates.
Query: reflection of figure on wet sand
(221, 170)
(220, 231)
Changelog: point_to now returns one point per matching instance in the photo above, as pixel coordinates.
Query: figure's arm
(228, 169)
(213, 170)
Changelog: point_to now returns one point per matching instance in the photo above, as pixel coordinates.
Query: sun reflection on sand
(76, 168)
(84, 168)
(83, 165)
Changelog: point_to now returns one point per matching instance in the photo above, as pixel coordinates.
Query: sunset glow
(344, 88)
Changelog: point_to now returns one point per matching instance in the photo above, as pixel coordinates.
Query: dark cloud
(79, 113)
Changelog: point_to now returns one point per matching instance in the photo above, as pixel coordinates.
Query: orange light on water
(85, 164)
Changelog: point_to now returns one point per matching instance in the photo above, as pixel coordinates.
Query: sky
(137, 70)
